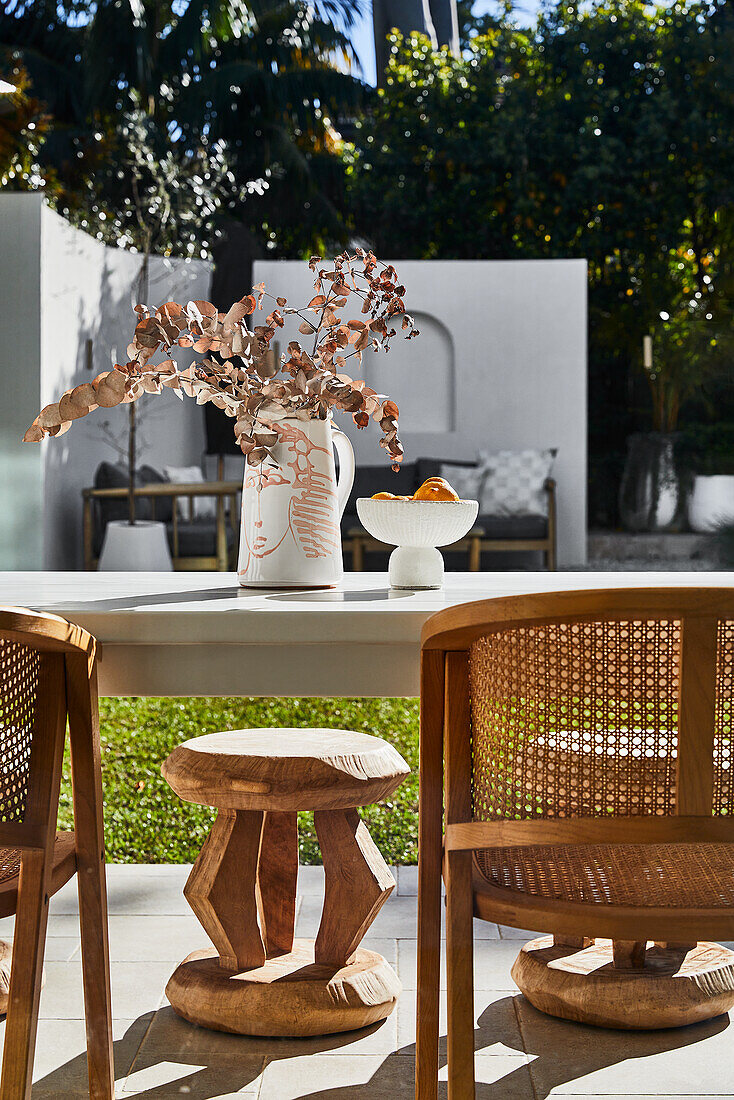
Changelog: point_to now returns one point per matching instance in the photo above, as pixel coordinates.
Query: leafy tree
(23, 125)
(603, 132)
(259, 78)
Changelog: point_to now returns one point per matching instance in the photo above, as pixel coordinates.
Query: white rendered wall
(502, 366)
(21, 468)
(73, 288)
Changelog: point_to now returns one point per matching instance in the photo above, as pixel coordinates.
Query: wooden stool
(625, 984)
(259, 980)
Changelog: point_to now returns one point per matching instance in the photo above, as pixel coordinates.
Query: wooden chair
(48, 674)
(589, 776)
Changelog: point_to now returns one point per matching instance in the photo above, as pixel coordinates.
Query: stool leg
(222, 888)
(628, 954)
(358, 882)
(277, 880)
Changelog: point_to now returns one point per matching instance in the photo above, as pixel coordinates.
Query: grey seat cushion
(111, 476)
(198, 538)
(513, 527)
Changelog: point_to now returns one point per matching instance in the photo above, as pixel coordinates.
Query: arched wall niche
(419, 375)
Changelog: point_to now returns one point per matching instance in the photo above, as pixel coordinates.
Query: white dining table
(202, 634)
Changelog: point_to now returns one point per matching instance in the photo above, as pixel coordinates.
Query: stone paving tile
(408, 881)
(398, 917)
(218, 1078)
(366, 1078)
(137, 988)
(568, 1059)
(158, 938)
(492, 962)
(496, 1033)
(507, 933)
(60, 1065)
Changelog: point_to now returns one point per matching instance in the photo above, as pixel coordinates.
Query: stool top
(285, 769)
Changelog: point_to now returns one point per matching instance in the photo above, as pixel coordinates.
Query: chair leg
(460, 975)
(86, 778)
(25, 977)
(96, 977)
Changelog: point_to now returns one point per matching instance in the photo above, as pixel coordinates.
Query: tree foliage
(603, 133)
(235, 91)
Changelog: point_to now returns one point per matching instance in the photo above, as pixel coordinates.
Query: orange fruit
(435, 488)
(385, 496)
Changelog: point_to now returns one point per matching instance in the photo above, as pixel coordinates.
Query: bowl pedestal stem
(416, 567)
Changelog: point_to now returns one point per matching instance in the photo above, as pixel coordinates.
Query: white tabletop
(201, 634)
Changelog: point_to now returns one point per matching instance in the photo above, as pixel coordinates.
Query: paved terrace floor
(521, 1054)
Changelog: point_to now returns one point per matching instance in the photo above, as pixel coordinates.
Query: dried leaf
(236, 313)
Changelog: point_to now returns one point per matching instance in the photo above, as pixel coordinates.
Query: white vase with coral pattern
(290, 531)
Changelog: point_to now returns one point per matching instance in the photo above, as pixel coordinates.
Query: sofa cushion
(198, 538)
(112, 476)
(431, 467)
(369, 480)
(513, 527)
(513, 482)
(464, 480)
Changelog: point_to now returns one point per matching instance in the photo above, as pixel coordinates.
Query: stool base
(288, 996)
(674, 988)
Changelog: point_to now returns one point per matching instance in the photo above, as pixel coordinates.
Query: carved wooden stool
(259, 980)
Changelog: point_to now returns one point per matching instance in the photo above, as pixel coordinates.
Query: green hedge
(147, 823)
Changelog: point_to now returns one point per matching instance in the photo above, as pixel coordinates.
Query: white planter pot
(711, 502)
(135, 548)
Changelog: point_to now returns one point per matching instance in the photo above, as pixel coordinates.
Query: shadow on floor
(560, 1053)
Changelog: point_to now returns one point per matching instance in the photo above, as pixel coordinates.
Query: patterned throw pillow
(512, 482)
(465, 480)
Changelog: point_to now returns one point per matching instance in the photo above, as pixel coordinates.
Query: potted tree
(170, 205)
(679, 358)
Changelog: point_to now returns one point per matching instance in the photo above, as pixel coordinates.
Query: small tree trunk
(131, 463)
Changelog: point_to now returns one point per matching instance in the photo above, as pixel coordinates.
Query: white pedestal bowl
(416, 528)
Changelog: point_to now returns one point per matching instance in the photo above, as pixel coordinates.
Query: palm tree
(267, 80)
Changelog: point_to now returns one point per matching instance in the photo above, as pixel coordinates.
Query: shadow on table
(560, 1052)
(147, 599)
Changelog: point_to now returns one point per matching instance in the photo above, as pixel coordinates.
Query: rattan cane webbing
(670, 875)
(9, 863)
(724, 723)
(19, 667)
(575, 719)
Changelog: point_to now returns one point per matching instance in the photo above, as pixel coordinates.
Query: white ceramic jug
(290, 534)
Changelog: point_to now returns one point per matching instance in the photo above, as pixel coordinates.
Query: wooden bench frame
(222, 490)
(475, 543)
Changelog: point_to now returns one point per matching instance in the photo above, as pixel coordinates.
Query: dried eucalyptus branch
(245, 381)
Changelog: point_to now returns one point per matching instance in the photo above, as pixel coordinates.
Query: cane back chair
(589, 782)
(48, 675)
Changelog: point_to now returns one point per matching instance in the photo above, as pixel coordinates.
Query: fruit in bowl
(433, 489)
(437, 489)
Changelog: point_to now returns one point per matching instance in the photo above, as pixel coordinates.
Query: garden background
(243, 129)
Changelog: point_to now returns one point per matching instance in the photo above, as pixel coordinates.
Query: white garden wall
(62, 289)
(500, 364)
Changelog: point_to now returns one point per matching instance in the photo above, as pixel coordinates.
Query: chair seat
(285, 769)
(63, 869)
(661, 891)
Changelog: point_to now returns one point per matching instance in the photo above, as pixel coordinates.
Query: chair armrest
(167, 489)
